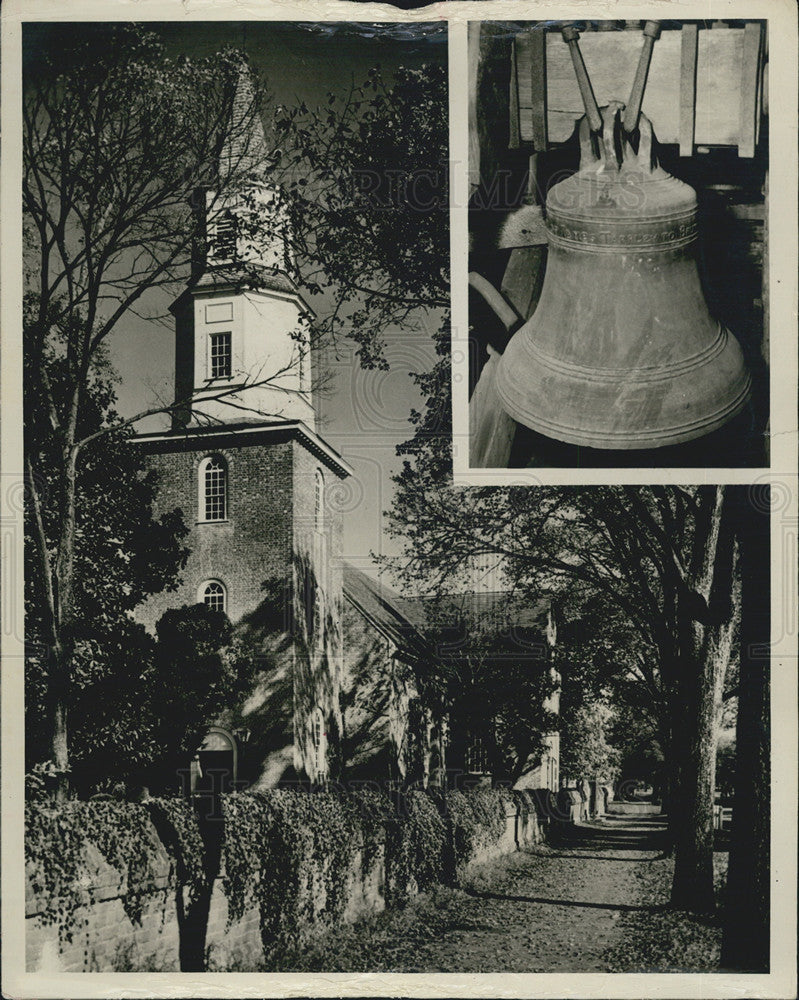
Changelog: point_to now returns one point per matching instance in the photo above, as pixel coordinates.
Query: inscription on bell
(679, 234)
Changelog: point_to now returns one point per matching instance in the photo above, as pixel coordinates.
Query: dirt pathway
(557, 909)
(551, 909)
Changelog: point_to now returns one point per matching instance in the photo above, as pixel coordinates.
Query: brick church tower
(252, 477)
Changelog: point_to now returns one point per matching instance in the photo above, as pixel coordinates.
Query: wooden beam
(514, 135)
(688, 61)
(474, 134)
(750, 90)
(539, 69)
(531, 77)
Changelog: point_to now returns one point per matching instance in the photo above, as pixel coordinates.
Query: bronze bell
(621, 351)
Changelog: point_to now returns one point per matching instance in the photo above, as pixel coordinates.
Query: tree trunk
(64, 581)
(60, 749)
(707, 610)
(692, 830)
(670, 798)
(745, 943)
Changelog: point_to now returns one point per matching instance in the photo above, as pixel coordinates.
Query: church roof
(379, 604)
(245, 150)
(243, 434)
(404, 620)
(484, 611)
(270, 280)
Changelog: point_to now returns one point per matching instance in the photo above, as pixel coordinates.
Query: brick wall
(104, 939)
(240, 946)
(252, 546)
(270, 527)
(318, 545)
(103, 936)
(376, 689)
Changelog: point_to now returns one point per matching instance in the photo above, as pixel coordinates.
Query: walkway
(568, 908)
(555, 910)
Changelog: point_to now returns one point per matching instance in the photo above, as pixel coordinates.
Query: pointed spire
(247, 218)
(245, 151)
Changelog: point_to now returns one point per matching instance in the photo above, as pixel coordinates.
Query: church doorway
(215, 765)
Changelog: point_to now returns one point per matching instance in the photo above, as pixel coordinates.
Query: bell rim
(608, 439)
(643, 374)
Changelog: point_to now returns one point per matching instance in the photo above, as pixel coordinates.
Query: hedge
(478, 820)
(281, 847)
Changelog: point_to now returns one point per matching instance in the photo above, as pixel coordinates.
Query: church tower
(244, 463)
(243, 330)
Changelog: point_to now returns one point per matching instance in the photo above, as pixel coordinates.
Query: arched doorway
(215, 765)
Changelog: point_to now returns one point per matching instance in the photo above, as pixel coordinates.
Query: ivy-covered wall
(150, 887)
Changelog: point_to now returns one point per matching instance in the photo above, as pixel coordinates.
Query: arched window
(213, 489)
(214, 595)
(318, 741)
(214, 768)
(319, 502)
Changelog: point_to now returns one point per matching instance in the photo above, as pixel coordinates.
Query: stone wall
(104, 938)
(239, 947)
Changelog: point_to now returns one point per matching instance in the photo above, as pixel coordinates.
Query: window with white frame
(220, 357)
(214, 596)
(319, 501)
(318, 741)
(213, 484)
(476, 757)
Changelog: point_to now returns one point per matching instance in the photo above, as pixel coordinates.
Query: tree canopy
(368, 182)
(492, 677)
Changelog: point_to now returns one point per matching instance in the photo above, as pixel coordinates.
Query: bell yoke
(622, 351)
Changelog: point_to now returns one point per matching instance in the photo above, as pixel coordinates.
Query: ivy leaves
(58, 849)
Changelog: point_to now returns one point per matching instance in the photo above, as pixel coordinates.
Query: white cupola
(243, 330)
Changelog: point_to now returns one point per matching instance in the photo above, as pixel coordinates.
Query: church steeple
(250, 225)
(242, 323)
(244, 149)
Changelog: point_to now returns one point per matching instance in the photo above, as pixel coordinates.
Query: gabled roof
(267, 279)
(485, 611)
(241, 434)
(379, 604)
(405, 620)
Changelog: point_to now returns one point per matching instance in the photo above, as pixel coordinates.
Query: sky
(364, 414)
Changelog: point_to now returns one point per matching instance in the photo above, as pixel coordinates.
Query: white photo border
(781, 981)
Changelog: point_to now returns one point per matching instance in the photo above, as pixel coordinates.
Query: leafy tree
(128, 717)
(492, 678)
(215, 668)
(122, 554)
(585, 750)
(611, 691)
(367, 178)
(665, 557)
(108, 181)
